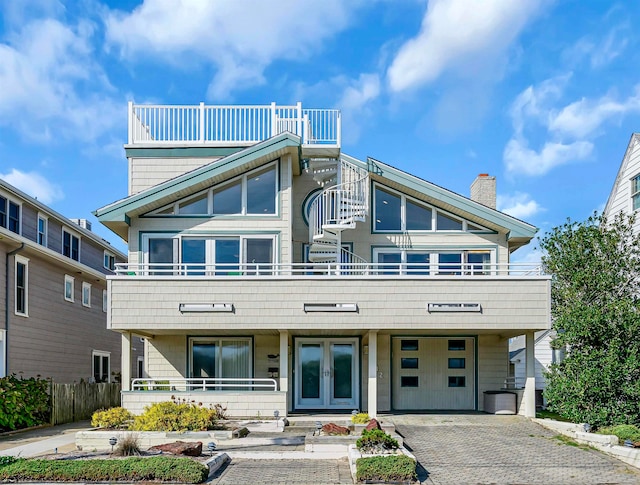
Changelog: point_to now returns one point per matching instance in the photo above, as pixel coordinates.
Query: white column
(529, 398)
(372, 393)
(125, 362)
(284, 360)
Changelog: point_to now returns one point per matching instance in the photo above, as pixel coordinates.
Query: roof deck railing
(231, 125)
(355, 269)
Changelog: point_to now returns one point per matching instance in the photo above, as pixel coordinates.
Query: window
(408, 381)
(22, 282)
(86, 294)
(104, 301)
(423, 262)
(140, 367)
(9, 215)
(409, 345)
(457, 381)
(101, 368)
(70, 245)
(635, 192)
(69, 283)
(43, 229)
(457, 345)
(457, 363)
(254, 193)
(221, 357)
(388, 209)
(109, 261)
(409, 363)
(447, 223)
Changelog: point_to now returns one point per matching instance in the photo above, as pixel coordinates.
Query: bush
(174, 416)
(111, 418)
(23, 402)
(160, 468)
(128, 445)
(623, 432)
(376, 441)
(360, 418)
(7, 460)
(390, 468)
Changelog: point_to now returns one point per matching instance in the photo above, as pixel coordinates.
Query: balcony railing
(356, 269)
(231, 125)
(204, 384)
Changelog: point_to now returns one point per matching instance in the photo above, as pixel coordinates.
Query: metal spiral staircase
(343, 202)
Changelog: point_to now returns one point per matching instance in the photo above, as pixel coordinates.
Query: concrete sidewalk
(42, 441)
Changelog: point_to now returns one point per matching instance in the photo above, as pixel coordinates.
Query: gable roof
(635, 139)
(116, 216)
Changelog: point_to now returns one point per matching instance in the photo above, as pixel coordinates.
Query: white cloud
(584, 117)
(240, 40)
(519, 158)
(42, 68)
(599, 52)
(455, 36)
(519, 205)
(34, 185)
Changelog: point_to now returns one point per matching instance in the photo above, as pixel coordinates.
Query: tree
(595, 289)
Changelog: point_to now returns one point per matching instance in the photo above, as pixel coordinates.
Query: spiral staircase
(343, 202)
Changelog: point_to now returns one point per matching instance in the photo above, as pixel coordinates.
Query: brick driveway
(488, 449)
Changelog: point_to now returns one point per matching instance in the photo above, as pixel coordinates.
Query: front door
(327, 373)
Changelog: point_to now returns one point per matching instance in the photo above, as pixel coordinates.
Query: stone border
(602, 442)
(354, 454)
(215, 463)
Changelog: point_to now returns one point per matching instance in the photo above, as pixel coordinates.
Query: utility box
(499, 402)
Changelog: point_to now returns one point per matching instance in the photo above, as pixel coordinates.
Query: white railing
(204, 384)
(190, 124)
(343, 204)
(513, 382)
(347, 268)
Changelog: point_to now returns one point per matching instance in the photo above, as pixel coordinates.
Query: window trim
(72, 235)
(101, 353)
(6, 215)
(218, 340)
(45, 233)
(72, 280)
(636, 194)
(25, 287)
(86, 286)
(434, 215)
(111, 256)
(434, 259)
(105, 301)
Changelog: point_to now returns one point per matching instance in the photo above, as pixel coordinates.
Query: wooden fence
(77, 402)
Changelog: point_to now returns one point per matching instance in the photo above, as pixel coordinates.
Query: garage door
(433, 373)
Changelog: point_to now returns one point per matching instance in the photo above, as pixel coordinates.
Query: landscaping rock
(373, 424)
(180, 448)
(333, 429)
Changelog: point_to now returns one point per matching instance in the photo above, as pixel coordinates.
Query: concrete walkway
(42, 441)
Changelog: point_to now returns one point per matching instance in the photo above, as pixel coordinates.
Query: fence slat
(78, 401)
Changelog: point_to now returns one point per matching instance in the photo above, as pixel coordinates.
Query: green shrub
(7, 460)
(376, 441)
(23, 402)
(623, 432)
(173, 416)
(111, 418)
(360, 418)
(160, 468)
(388, 468)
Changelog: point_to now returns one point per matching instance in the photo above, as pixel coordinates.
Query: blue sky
(542, 94)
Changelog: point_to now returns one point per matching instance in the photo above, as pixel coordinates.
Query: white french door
(327, 373)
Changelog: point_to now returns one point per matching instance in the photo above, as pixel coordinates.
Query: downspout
(6, 307)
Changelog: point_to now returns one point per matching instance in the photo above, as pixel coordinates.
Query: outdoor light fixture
(211, 446)
(453, 307)
(587, 427)
(330, 307)
(318, 427)
(205, 307)
(112, 441)
(354, 412)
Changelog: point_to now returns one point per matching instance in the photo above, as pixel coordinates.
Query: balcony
(230, 125)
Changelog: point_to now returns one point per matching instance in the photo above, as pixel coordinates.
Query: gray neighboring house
(54, 294)
(272, 273)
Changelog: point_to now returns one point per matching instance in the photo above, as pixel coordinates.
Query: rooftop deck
(197, 125)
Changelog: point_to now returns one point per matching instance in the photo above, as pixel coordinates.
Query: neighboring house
(268, 271)
(544, 353)
(54, 294)
(625, 194)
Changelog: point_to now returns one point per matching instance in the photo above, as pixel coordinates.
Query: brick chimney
(483, 190)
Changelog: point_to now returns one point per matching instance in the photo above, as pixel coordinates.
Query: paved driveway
(489, 449)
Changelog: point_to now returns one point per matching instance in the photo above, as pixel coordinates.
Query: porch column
(284, 360)
(373, 374)
(125, 362)
(529, 398)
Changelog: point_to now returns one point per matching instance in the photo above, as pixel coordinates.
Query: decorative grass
(386, 468)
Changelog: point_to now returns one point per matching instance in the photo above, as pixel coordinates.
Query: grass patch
(163, 469)
(544, 414)
(389, 468)
(565, 440)
(623, 432)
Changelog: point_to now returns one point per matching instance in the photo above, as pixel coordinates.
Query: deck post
(201, 127)
(372, 390)
(125, 370)
(284, 361)
(529, 397)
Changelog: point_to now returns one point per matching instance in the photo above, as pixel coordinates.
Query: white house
(268, 271)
